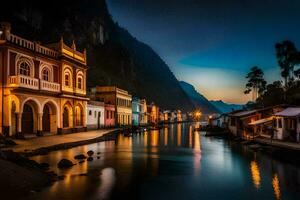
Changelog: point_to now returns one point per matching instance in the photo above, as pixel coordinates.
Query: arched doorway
(28, 119)
(46, 119)
(66, 117)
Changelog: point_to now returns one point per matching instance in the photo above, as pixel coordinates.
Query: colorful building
(136, 110)
(109, 117)
(43, 88)
(118, 97)
(143, 112)
(153, 113)
(95, 115)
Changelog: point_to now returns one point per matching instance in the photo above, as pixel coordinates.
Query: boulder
(64, 163)
(90, 153)
(80, 157)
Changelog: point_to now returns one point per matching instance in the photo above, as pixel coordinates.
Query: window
(107, 114)
(67, 79)
(95, 115)
(79, 83)
(45, 75)
(25, 69)
(90, 112)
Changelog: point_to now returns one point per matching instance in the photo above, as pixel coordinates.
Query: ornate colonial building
(43, 88)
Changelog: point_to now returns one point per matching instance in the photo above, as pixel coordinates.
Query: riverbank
(279, 150)
(22, 176)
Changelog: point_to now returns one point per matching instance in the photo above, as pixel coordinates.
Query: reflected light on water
(197, 153)
(154, 138)
(108, 179)
(179, 134)
(255, 174)
(276, 186)
(166, 133)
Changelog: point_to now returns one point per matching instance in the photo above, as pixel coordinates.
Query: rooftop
(289, 112)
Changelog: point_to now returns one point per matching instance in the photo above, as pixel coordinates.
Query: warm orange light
(276, 186)
(255, 174)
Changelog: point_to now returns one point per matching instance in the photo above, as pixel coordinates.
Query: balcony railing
(50, 86)
(24, 81)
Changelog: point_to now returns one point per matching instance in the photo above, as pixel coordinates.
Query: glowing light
(276, 186)
(255, 174)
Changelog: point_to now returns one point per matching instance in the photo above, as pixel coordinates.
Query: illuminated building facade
(143, 112)
(43, 88)
(118, 97)
(95, 115)
(153, 113)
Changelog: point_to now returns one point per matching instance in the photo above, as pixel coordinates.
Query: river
(173, 163)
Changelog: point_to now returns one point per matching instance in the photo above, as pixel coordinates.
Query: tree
(256, 82)
(287, 57)
(272, 96)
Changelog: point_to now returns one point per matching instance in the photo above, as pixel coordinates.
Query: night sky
(212, 44)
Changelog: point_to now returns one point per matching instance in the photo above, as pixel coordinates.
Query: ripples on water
(173, 163)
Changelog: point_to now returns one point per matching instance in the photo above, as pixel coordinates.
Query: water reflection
(155, 162)
(255, 174)
(276, 187)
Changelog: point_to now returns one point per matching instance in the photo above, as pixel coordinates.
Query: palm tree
(256, 82)
(287, 57)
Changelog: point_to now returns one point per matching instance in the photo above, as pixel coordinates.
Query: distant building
(109, 116)
(95, 115)
(143, 112)
(153, 113)
(118, 97)
(136, 110)
(42, 88)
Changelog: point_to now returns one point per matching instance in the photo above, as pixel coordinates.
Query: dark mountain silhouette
(115, 57)
(225, 107)
(199, 101)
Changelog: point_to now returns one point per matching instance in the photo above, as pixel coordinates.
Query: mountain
(225, 107)
(199, 101)
(115, 57)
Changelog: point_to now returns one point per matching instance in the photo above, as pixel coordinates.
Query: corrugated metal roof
(289, 112)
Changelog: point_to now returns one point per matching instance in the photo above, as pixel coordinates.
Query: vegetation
(278, 92)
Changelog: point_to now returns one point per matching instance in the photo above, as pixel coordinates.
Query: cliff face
(114, 56)
(199, 101)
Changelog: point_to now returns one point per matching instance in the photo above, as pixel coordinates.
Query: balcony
(24, 82)
(50, 86)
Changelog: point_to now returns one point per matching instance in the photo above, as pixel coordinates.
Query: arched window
(46, 75)
(24, 69)
(66, 117)
(79, 83)
(67, 79)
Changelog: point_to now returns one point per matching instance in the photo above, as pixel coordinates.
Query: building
(43, 88)
(239, 120)
(153, 113)
(287, 124)
(143, 112)
(95, 115)
(136, 110)
(110, 116)
(118, 97)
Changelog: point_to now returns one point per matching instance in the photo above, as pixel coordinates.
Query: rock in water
(65, 163)
(90, 159)
(80, 157)
(90, 153)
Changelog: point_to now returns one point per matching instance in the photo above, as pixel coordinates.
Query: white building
(287, 124)
(95, 115)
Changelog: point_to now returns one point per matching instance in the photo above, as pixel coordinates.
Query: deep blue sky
(212, 44)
